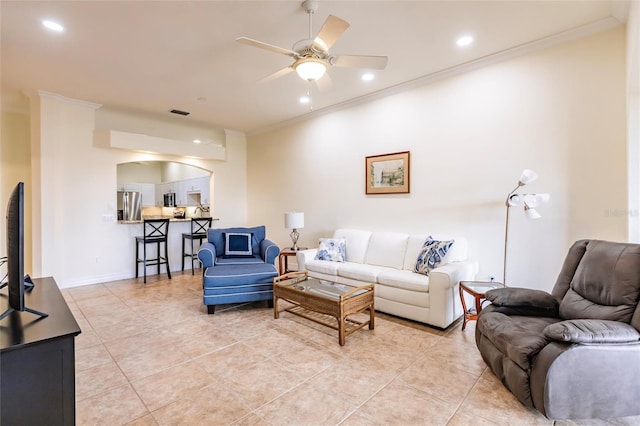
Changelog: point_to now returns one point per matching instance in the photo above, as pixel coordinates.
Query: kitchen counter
(171, 219)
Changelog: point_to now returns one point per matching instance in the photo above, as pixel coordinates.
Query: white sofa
(387, 260)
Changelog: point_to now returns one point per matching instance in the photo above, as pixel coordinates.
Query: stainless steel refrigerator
(129, 205)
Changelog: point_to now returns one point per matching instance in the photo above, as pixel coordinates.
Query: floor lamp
(529, 202)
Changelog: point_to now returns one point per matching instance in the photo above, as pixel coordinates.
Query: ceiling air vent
(177, 111)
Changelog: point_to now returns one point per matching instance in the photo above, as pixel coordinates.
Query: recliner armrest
(269, 251)
(592, 331)
(523, 301)
(207, 254)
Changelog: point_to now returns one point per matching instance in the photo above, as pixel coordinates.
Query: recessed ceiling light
(368, 76)
(464, 41)
(305, 99)
(196, 141)
(53, 26)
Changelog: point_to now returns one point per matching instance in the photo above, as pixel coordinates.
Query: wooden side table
(477, 289)
(283, 259)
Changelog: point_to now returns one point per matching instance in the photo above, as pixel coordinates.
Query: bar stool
(155, 232)
(198, 232)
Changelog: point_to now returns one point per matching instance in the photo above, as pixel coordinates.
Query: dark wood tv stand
(37, 359)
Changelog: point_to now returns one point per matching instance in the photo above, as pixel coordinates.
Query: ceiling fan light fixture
(368, 76)
(310, 69)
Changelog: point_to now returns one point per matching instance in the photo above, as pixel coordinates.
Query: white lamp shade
(515, 200)
(528, 176)
(310, 69)
(532, 213)
(543, 198)
(294, 220)
(533, 200)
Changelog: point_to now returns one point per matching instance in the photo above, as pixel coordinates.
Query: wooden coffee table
(324, 302)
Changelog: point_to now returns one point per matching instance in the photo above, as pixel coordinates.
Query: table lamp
(294, 221)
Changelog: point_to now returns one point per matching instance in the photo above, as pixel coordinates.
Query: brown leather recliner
(574, 353)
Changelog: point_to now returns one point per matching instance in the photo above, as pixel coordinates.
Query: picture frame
(388, 173)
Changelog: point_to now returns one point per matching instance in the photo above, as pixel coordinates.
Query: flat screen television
(15, 253)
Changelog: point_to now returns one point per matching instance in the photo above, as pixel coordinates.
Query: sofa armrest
(444, 302)
(269, 251)
(207, 254)
(523, 301)
(303, 255)
(450, 274)
(592, 331)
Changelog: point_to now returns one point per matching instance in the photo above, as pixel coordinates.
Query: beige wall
(560, 112)
(15, 159)
(633, 119)
(74, 188)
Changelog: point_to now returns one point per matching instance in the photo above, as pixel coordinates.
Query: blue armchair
(238, 266)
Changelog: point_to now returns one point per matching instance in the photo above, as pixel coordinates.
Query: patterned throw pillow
(431, 255)
(332, 249)
(237, 244)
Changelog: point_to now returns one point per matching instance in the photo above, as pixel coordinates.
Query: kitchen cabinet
(148, 191)
(189, 192)
(193, 192)
(163, 188)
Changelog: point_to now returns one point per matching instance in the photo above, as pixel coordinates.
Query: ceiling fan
(311, 56)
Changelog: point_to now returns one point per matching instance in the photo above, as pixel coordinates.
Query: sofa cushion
(605, 284)
(356, 242)
(232, 275)
(520, 338)
(397, 295)
(238, 260)
(431, 255)
(322, 266)
(331, 249)
(360, 272)
(387, 249)
(406, 280)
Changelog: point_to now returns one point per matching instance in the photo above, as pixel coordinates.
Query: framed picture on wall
(387, 173)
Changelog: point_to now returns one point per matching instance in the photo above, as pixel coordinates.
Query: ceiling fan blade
(277, 74)
(360, 61)
(266, 46)
(331, 30)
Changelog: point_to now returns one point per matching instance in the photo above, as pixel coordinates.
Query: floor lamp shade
(528, 202)
(294, 221)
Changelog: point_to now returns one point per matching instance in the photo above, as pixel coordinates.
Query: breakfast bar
(177, 226)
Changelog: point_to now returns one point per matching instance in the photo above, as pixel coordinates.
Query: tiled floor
(149, 354)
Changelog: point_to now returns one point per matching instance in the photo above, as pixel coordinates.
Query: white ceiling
(152, 56)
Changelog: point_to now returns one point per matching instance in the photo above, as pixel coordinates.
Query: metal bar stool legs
(198, 232)
(155, 232)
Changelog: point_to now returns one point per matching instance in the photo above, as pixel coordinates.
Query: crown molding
(504, 55)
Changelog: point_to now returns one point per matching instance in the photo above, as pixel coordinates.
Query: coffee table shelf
(324, 302)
